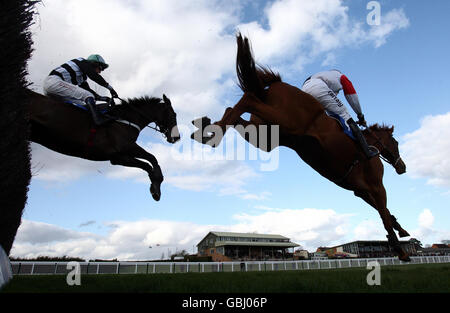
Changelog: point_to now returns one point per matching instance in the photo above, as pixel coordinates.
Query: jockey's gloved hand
(113, 92)
(361, 120)
(101, 98)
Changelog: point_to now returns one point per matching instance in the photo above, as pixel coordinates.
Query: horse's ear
(166, 100)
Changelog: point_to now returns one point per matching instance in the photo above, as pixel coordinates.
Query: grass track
(429, 278)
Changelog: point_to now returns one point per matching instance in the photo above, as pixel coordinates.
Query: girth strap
(355, 162)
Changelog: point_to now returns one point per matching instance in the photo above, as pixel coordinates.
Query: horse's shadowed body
(317, 138)
(69, 130)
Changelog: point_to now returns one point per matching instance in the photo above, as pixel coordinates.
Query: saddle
(342, 123)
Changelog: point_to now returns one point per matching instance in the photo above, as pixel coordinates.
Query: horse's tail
(252, 77)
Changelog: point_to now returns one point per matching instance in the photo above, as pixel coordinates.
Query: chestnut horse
(69, 130)
(318, 139)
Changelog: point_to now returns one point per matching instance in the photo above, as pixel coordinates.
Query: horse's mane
(127, 105)
(145, 100)
(383, 127)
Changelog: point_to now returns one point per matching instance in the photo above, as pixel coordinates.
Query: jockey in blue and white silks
(69, 82)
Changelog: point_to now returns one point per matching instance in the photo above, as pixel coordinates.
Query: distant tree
(44, 258)
(446, 242)
(416, 242)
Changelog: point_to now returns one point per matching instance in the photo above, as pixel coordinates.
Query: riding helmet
(98, 60)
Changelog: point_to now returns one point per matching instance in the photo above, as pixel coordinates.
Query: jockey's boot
(98, 118)
(370, 152)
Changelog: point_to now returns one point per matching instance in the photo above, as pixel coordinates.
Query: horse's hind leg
(251, 104)
(129, 161)
(232, 116)
(401, 232)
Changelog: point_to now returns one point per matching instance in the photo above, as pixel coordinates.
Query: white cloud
(426, 150)
(370, 230)
(299, 31)
(132, 240)
(425, 232)
(426, 219)
(197, 170)
(187, 50)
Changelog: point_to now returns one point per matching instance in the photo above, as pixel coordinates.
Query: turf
(429, 278)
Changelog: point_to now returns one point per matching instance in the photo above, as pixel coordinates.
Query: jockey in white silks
(324, 86)
(69, 82)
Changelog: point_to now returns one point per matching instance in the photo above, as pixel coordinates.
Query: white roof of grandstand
(248, 235)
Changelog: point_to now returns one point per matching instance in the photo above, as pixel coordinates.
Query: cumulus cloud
(370, 230)
(426, 150)
(187, 50)
(300, 31)
(150, 238)
(196, 170)
(425, 232)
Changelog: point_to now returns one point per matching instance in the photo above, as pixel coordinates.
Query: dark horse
(307, 129)
(67, 129)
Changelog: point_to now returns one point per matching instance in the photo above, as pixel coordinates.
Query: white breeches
(55, 86)
(319, 90)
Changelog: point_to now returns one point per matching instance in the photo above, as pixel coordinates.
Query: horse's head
(382, 137)
(146, 110)
(168, 121)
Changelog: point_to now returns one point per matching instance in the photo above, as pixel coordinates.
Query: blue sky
(398, 68)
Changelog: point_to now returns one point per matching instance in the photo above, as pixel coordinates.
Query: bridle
(141, 113)
(385, 149)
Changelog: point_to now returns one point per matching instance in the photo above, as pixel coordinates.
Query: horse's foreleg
(140, 153)
(377, 198)
(130, 161)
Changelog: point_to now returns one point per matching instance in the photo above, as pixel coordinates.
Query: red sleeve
(347, 86)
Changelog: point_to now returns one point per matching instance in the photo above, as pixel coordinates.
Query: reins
(356, 162)
(137, 110)
(378, 140)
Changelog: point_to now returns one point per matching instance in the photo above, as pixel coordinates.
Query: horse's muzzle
(400, 167)
(173, 135)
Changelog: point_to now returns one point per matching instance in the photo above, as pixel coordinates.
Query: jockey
(69, 82)
(324, 86)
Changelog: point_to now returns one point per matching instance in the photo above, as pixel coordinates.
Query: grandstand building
(369, 249)
(226, 246)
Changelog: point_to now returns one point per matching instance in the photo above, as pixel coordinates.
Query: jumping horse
(305, 127)
(69, 130)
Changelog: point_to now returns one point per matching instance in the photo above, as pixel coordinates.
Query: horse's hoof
(198, 136)
(405, 258)
(203, 121)
(155, 194)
